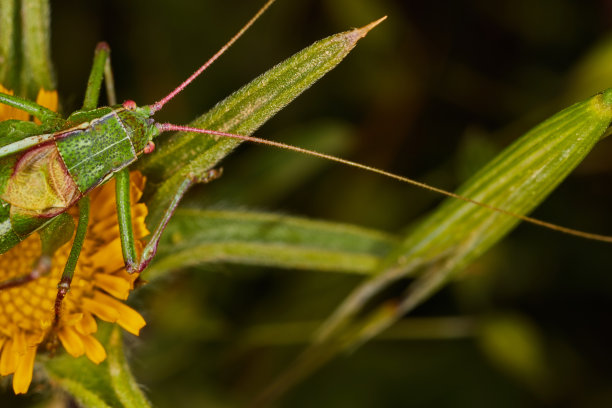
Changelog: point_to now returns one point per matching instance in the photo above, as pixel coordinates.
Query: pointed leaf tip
(361, 32)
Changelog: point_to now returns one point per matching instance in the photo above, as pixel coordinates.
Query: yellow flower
(99, 285)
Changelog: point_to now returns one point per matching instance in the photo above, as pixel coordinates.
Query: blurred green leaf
(36, 68)
(592, 73)
(516, 346)
(517, 180)
(9, 39)
(202, 236)
(25, 57)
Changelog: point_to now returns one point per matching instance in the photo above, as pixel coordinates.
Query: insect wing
(17, 136)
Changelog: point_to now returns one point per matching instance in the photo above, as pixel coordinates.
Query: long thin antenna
(165, 127)
(158, 105)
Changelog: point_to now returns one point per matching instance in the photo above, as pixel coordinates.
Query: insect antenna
(166, 127)
(159, 104)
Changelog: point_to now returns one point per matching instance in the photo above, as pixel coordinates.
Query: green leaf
(187, 154)
(25, 56)
(36, 69)
(202, 236)
(9, 38)
(515, 345)
(266, 175)
(123, 382)
(108, 384)
(517, 180)
(456, 233)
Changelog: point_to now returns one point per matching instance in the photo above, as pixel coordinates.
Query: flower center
(29, 306)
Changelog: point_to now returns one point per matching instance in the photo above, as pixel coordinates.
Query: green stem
(8, 44)
(37, 70)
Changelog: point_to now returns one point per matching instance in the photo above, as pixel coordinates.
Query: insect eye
(129, 104)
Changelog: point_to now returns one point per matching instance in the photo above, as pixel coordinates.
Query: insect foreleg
(132, 262)
(101, 69)
(46, 116)
(64, 284)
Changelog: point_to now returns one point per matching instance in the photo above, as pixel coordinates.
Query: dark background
(432, 93)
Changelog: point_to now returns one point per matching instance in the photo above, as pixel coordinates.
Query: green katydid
(47, 169)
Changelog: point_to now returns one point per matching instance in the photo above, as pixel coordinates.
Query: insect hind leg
(63, 287)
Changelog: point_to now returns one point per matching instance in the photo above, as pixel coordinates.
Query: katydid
(47, 169)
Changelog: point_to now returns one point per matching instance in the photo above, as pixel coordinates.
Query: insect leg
(64, 284)
(132, 262)
(124, 215)
(43, 114)
(100, 69)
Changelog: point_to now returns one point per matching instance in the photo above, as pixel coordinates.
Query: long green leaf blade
(457, 232)
(186, 154)
(203, 236)
(517, 180)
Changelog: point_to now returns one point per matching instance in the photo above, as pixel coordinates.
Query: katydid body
(43, 181)
(47, 169)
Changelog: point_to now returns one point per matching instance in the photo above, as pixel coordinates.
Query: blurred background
(433, 94)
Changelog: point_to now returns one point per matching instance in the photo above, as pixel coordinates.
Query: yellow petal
(102, 310)
(128, 318)
(71, 341)
(110, 257)
(106, 228)
(129, 277)
(93, 349)
(87, 325)
(20, 345)
(48, 99)
(23, 376)
(139, 214)
(71, 319)
(7, 112)
(9, 359)
(114, 285)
